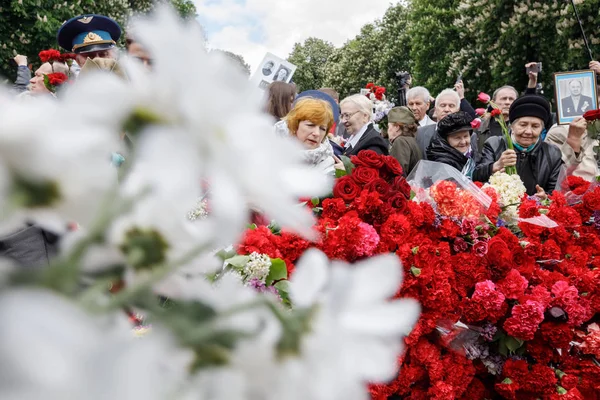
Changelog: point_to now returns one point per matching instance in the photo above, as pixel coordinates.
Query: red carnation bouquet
(505, 314)
(55, 79)
(50, 56)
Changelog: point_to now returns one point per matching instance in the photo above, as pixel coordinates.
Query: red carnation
(575, 184)
(495, 113)
(370, 85)
(513, 285)
(480, 248)
(557, 335)
(334, 208)
(67, 56)
(485, 303)
(364, 175)
(49, 55)
(57, 78)
(346, 189)
(368, 158)
(591, 200)
(525, 320)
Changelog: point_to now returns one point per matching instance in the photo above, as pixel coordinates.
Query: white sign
(273, 69)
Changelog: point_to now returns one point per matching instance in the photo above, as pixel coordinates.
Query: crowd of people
(443, 130)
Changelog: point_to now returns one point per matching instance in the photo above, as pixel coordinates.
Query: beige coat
(584, 164)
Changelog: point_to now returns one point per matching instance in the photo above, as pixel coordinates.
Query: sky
(252, 28)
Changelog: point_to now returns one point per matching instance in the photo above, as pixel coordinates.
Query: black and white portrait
(282, 74)
(575, 94)
(267, 68)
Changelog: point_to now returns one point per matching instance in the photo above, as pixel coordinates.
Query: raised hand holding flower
(496, 113)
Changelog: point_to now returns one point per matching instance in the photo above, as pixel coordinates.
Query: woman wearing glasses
(357, 112)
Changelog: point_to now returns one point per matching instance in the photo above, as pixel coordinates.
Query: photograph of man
(282, 74)
(576, 103)
(267, 69)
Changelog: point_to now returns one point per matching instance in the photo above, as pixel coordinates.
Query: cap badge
(92, 37)
(85, 20)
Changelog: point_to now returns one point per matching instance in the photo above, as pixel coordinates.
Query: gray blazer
(425, 135)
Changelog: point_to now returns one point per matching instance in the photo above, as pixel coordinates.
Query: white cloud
(230, 24)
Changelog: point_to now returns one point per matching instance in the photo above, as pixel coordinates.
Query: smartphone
(537, 68)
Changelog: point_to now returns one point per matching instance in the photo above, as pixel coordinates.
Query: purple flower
(500, 223)
(260, 287)
(494, 364)
(488, 332)
(597, 219)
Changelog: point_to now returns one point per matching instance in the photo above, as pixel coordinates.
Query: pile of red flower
(505, 314)
(376, 91)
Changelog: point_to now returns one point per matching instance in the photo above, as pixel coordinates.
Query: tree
(237, 60)
(354, 65)
(433, 38)
(29, 26)
(310, 59)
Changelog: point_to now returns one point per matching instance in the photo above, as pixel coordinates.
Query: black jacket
(370, 140)
(540, 166)
(440, 151)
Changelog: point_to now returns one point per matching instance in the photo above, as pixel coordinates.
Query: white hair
(450, 93)
(364, 105)
(418, 91)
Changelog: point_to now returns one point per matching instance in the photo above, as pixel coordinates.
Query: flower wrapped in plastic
(510, 190)
(447, 190)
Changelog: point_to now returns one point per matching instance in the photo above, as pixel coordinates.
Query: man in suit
(576, 104)
(447, 102)
(357, 112)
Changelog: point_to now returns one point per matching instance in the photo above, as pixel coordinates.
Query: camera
(402, 77)
(537, 68)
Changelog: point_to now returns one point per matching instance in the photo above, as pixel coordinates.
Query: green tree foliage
(29, 26)
(310, 58)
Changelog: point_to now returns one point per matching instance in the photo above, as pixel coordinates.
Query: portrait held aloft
(267, 68)
(575, 94)
(272, 69)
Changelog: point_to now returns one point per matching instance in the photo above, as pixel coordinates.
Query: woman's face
(461, 141)
(527, 130)
(310, 134)
(394, 131)
(37, 81)
(352, 118)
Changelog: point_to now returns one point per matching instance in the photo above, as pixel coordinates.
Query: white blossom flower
(510, 191)
(257, 267)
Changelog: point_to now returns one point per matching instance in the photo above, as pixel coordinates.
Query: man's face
(37, 81)
(419, 107)
(575, 87)
(504, 99)
(81, 58)
(137, 51)
(446, 105)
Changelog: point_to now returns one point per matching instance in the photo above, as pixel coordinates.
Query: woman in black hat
(538, 163)
(452, 144)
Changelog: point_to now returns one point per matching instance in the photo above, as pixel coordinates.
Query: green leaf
(561, 390)
(225, 254)
(412, 194)
(347, 164)
(559, 373)
(252, 226)
(415, 271)
(277, 272)
(274, 228)
(238, 261)
(315, 201)
(48, 84)
(340, 172)
(513, 344)
(415, 250)
(507, 381)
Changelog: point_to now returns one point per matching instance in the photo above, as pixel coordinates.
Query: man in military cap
(89, 36)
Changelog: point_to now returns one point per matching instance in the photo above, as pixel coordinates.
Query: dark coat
(406, 150)
(30, 247)
(568, 107)
(440, 151)
(370, 140)
(337, 149)
(543, 162)
(489, 128)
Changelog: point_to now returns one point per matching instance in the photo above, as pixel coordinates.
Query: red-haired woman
(309, 121)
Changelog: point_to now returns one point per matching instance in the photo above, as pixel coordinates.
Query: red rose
(401, 185)
(393, 165)
(592, 115)
(369, 158)
(380, 186)
(346, 188)
(480, 248)
(49, 55)
(57, 78)
(398, 201)
(495, 113)
(364, 175)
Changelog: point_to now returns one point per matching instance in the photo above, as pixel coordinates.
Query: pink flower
(476, 123)
(480, 111)
(484, 98)
(369, 240)
(525, 320)
(481, 248)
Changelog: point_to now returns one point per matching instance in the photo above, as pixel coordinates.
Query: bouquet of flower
(593, 123)
(381, 106)
(55, 79)
(510, 190)
(495, 113)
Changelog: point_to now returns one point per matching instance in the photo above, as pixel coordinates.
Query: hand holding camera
(533, 69)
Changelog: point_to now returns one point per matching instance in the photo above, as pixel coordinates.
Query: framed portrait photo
(273, 69)
(575, 93)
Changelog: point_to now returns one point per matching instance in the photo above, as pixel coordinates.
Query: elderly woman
(538, 163)
(357, 112)
(401, 131)
(309, 121)
(452, 144)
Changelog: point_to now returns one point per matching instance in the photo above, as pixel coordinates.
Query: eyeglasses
(347, 116)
